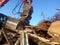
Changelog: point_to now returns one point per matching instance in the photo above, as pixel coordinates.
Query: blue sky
(48, 7)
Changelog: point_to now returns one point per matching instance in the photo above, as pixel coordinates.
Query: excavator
(12, 31)
(19, 31)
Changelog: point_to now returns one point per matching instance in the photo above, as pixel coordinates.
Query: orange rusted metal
(2, 2)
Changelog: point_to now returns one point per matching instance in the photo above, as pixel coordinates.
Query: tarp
(54, 28)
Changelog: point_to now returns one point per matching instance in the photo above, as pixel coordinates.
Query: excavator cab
(3, 19)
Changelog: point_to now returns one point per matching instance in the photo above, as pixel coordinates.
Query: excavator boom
(30, 1)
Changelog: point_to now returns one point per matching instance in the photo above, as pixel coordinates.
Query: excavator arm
(30, 1)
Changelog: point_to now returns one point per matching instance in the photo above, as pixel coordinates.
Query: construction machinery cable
(20, 3)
